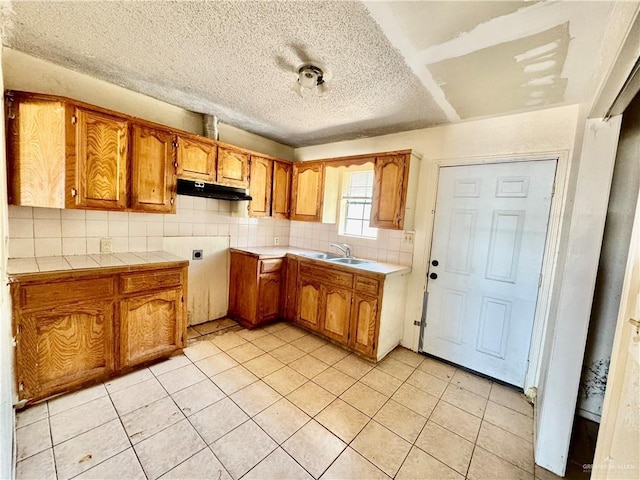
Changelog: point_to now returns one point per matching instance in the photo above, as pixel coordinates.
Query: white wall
(7, 416)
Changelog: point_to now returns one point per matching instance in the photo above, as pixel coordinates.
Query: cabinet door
(336, 312)
(196, 159)
(308, 309)
(260, 187)
(291, 290)
(281, 190)
(233, 168)
(364, 324)
(102, 142)
(269, 296)
(307, 191)
(63, 347)
(153, 183)
(389, 192)
(150, 327)
(36, 151)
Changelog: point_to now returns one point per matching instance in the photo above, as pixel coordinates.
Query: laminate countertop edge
(385, 269)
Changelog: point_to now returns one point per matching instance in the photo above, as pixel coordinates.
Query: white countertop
(78, 262)
(370, 266)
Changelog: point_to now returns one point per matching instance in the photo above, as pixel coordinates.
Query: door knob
(433, 276)
(435, 263)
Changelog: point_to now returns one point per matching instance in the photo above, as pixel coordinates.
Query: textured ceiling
(391, 66)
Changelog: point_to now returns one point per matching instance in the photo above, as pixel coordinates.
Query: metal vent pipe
(211, 126)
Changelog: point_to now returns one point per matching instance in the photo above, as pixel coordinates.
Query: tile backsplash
(53, 232)
(387, 247)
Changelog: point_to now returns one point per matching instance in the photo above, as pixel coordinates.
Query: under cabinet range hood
(193, 188)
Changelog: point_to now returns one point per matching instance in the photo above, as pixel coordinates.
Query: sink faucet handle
(344, 248)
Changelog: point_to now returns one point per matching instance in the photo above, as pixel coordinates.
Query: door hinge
(539, 280)
(553, 189)
(74, 120)
(417, 323)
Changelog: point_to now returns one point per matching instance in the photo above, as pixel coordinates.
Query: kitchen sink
(321, 256)
(349, 261)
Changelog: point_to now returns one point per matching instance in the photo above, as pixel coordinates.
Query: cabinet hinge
(74, 119)
(11, 110)
(21, 386)
(174, 144)
(15, 342)
(74, 192)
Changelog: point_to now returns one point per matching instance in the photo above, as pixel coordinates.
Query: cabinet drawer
(138, 282)
(367, 285)
(268, 266)
(334, 277)
(66, 292)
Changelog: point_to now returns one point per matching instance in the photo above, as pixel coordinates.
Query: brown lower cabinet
(254, 288)
(79, 327)
(337, 304)
(334, 302)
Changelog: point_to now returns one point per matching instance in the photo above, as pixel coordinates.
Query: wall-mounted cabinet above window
(331, 191)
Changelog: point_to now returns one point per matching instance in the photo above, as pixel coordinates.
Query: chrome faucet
(346, 249)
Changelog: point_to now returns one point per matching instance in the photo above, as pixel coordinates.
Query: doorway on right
(488, 244)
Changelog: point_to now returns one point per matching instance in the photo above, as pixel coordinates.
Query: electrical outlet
(276, 240)
(407, 237)
(105, 245)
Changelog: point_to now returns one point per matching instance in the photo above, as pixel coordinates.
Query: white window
(357, 194)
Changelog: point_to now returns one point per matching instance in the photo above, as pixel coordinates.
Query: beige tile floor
(278, 403)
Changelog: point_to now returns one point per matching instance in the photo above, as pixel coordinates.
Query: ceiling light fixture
(310, 80)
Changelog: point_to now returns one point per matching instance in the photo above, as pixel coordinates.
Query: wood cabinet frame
(52, 167)
(70, 327)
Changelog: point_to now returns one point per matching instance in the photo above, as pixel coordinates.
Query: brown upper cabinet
(63, 156)
(233, 167)
(391, 173)
(281, 190)
(260, 187)
(101, 154)
(66, 154)
(306, 191)
(153, 182)
(196, 158)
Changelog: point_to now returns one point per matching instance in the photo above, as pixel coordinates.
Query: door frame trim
(551, 250)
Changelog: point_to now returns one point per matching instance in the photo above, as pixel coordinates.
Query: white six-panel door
(486, 256)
